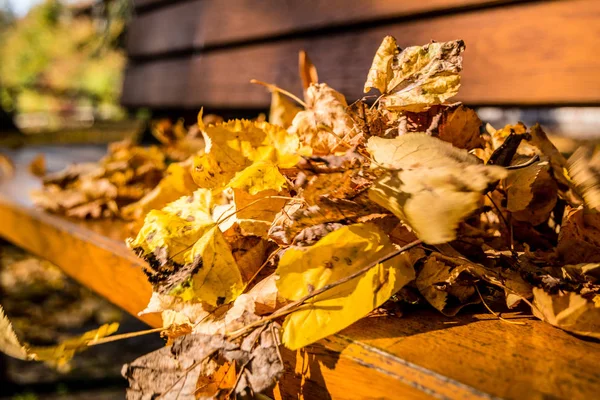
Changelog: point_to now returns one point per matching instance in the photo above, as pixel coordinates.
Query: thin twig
(494, 313)
(274, 88)
(529, 162)
(186, 372)
(114, 338)
(222, 219)
(273, 254)
(499, 212)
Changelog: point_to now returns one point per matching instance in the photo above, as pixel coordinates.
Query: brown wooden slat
(540, 53)
(137, 4)
(419, 355)
(206, 23)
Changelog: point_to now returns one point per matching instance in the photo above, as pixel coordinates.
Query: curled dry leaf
(568, 311)
(460, 125)
(416, 77)
(579, 237)
(531, 193)
(308, 71)
(325, 125)
(433, 283)
(584, 170)
(430, 180)
(339, 254)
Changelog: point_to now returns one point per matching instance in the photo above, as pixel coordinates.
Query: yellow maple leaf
(237, 144)
(338, 255)
(417, 76)
(187, 252)
(432, 186)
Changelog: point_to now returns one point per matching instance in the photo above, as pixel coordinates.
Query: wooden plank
(207, 23)
(419, 355)
(537, 53)
(92, 253)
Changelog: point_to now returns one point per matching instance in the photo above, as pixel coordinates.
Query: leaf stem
(114, 338)
(280, 90)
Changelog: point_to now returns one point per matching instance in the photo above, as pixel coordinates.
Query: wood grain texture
(537, 53)
(208, 23)
(420, 355)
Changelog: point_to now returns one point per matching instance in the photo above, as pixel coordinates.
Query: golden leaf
(338, 255)
(435, 186)
(9, 342)
(187, 252)
(381, 71)
(57, 356)
(417, 76)
(235, 145)
(282, 110)
(415, 150)
(568, 311)
(258, 177)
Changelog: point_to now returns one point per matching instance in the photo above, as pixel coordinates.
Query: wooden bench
(187, 54)
(419, 355)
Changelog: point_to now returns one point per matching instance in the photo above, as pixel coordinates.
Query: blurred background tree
(62, 63)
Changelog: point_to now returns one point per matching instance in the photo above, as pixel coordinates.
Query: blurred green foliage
(55, 57)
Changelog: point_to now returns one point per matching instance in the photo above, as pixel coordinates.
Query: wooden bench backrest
(188, 54)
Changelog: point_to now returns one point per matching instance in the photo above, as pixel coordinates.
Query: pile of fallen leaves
(321, 215)
(122, 183)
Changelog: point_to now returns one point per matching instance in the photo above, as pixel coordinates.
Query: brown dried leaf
(218, 385)
(172, 372)
(584, 170)
(531, 193)
(579, 237)
(308, 71)
(37, 166)
(567, 311)
(433, 283)
(460, 126)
